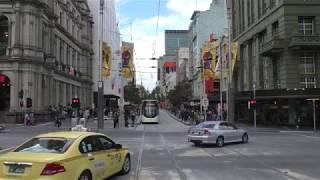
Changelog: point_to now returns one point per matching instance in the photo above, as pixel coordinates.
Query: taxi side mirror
(117, 146)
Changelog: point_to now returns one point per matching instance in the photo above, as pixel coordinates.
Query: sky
(138, 24)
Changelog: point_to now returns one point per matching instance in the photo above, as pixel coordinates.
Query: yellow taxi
(66, 156)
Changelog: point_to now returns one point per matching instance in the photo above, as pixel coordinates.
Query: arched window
(4, 35)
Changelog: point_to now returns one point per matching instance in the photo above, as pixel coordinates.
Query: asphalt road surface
(161, 152)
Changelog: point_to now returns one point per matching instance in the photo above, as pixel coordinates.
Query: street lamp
(255, 108)
(314, 112)
(100, 123)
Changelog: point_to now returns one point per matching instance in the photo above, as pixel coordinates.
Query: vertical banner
(208, 57)
(106, 59)
(127, 60)
(208, 54)
(225, 60)
(234, 53)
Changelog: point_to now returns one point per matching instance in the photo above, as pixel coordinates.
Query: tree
(180, 94)
(155, 94)
(132, 94)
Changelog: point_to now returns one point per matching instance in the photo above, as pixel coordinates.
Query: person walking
(116, 115)
(133, 117)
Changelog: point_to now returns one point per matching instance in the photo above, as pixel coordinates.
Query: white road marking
(296, 175)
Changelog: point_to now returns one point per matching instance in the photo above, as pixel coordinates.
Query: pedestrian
(126, 117)
(27, 119)
(116, 115)
(87, 114)
(133, 117)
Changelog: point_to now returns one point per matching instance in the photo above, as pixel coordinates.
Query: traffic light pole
(255, 108)
(100, 123)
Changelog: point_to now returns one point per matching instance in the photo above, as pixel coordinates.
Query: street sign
(205, 102)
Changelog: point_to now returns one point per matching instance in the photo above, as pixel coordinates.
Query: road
(160, 151)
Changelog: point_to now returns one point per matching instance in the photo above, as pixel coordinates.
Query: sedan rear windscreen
(45, 145)
(205, 125)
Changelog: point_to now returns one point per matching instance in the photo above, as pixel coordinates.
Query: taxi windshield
(45, 145)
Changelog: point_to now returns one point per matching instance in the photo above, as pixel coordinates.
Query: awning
(169, 64)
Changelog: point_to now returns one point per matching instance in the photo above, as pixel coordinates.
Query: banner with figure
(208, 57)
(127, 60)
(225, 60)
(234, 53)
(106, 59)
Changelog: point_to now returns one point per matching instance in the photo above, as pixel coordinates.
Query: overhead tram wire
(157, 29)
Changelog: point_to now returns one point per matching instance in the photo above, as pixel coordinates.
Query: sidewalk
(260, 128)
(188, 123)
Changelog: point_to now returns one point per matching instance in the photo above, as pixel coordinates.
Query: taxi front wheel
(86, 175)
(126, 167)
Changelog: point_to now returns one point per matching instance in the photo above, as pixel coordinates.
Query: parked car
(216, 132)
(2, 127)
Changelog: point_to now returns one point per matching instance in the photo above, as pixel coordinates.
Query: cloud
(143, 33)
(185, 8)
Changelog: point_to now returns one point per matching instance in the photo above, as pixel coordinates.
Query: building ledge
(272, 47)
(300, 42)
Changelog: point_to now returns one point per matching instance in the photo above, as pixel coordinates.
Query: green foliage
(180, 94)
(132, 94)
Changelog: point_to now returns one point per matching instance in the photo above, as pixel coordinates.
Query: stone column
(14, 101)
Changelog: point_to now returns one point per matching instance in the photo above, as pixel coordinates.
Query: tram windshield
(150, 109)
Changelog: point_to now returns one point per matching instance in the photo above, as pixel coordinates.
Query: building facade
(175, 39)
(279, 59)
(183, 66)
(110, 33)
(203, 24)
(167, 64)
(46, 55)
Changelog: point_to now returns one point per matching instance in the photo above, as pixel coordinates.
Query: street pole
(100, 123)
(314, 115)
(221, 77)
(314, 112)
(254, 110)
(230, 88)
(204, 93)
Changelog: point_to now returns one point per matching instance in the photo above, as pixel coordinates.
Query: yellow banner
(208, 57)
(127, 60)
(106, 59)
(234, 53)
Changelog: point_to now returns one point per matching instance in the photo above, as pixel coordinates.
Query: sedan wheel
(126, 167)
(245, 138)
(85, 176)
(220, 142)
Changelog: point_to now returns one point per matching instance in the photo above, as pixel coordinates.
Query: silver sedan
(216, 132)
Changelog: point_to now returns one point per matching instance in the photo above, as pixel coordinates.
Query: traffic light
(75, 103)
(29, 102)
(253, 103)
(21, 94)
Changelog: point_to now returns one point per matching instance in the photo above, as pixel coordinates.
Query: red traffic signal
(75, 103)
(4, 80)
(253, 102)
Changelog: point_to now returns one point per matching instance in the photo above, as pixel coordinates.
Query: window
(307, 65)
(45, 145)
(107, 143)
(307, 70)
(205, 125)
(306, 24)
(61, 51)
(275, 28)
(223, 126)
(90, 144)
(61, 18)
(231, 126)
(308, 82)
(273, 3)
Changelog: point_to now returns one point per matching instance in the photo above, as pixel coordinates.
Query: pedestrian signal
(75, 103)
